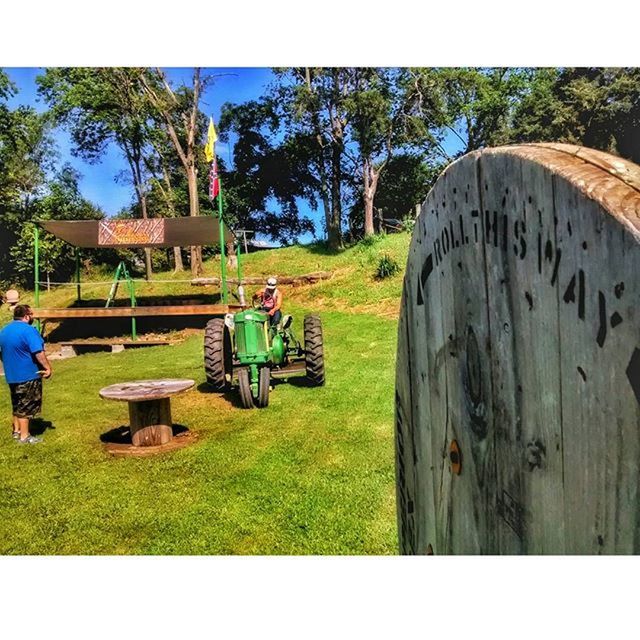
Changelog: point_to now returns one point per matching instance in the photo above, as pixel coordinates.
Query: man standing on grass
(24, 361)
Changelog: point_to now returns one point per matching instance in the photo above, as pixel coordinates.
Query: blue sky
(98, 182)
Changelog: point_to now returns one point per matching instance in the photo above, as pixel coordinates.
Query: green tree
(312, 103)
(27, 154)
(185, 125)
(374, 112)
(480, 103)
(61, 201)
(405, 182)
(594, 107)
(270, 174)
(100, 106)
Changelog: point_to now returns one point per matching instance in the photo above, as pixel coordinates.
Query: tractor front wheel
(246, 399)
(264, 381)
(314, 350)
(217, 354)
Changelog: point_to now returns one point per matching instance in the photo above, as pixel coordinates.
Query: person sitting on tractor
(271, 301)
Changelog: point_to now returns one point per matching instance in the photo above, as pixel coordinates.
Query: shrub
(370, 241)
(408, 224)
(387, 267)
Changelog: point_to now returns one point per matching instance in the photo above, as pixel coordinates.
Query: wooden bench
(135, 312)
(149, 407)
(73, 348)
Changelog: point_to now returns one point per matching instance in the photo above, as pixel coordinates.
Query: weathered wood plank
(601, 307)
(499, 196)
(135, 312)
(306, 278)
(538, 344)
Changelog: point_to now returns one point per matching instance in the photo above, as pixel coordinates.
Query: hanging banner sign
(131, 232)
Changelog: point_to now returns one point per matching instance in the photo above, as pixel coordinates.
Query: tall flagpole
(223, 252)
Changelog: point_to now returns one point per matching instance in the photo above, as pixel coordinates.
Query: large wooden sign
(131, 232)
(518, 370)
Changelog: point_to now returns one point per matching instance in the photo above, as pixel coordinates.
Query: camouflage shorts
(26, 398)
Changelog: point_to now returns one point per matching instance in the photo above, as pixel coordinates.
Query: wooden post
(150, 422)
(518, 366)
(78, 291)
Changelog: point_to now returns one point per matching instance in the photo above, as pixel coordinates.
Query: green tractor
(243, 350)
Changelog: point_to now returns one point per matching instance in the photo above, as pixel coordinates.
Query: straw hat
(12, 297)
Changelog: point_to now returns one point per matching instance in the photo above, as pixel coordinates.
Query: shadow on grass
(322, 249)
(294, 381)
(37, 426)
(75, 328)
(122, 434)
(232, 396)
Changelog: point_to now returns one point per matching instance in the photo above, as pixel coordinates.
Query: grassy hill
(311, 474)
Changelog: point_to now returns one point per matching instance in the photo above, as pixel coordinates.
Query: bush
(387, 267)
(408, 224)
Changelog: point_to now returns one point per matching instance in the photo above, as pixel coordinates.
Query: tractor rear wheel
(314, 350)
(263, 387)
(246, 399)
(217, 354)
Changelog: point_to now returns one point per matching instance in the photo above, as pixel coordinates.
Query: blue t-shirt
(19, 341)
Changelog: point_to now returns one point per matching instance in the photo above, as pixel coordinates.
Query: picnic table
(149, 407)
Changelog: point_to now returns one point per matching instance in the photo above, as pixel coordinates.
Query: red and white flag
(214, 180)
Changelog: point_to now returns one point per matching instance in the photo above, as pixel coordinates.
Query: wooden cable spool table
(149, 407)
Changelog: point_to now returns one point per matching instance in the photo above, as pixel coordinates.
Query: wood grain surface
(518, 367)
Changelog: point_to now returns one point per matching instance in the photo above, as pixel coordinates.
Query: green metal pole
(134, 335)
(132, 297)
(36, 269)
(223, 253)
(114, 286)
(78, 291)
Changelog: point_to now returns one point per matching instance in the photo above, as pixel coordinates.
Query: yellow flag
(209, 150)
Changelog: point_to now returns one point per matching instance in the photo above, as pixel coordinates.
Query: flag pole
(223, 258)
(214, 181)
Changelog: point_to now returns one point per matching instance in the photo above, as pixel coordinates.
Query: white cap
(271, 283)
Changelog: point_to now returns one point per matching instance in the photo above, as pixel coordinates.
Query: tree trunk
(194, 210)
(370, 185)
(232, 257)
(177, 258)
(322, 169)
(334, 230)
(369, 229)
(147, 250)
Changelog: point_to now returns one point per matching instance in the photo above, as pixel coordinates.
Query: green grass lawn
(311, 474)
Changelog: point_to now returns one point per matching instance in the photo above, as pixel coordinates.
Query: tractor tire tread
(246, 399)
(314, 350)
(216, 369)
(264, 381)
